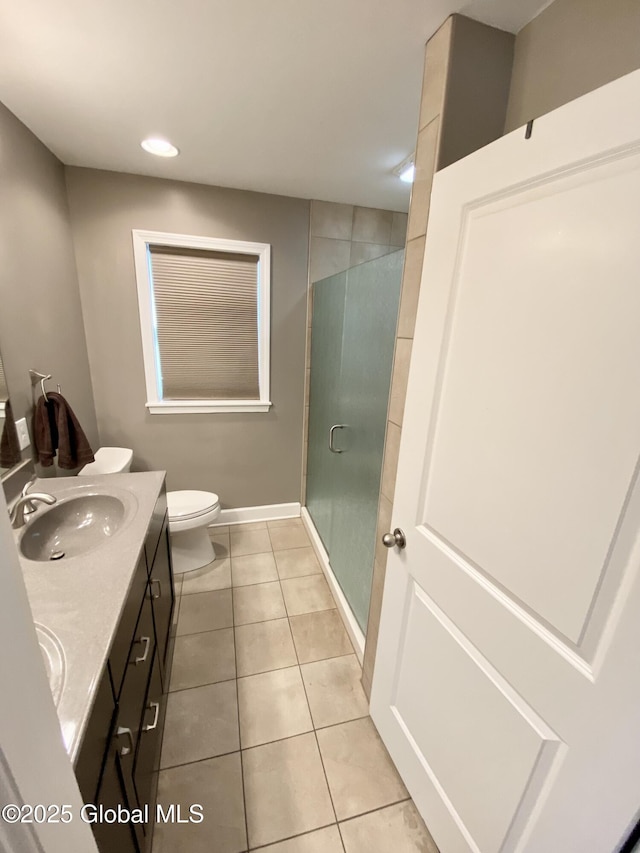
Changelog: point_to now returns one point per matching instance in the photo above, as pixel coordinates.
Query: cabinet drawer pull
(147, 643)
(156, 707)
(157, 594)
(125, 750)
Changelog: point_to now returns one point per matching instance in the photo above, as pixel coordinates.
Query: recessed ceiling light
(406, 170)
(159, 147)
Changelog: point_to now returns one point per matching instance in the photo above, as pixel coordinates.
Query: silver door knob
(394, 540)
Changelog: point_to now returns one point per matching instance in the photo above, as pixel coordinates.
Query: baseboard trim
(350, 623)
(248, 514)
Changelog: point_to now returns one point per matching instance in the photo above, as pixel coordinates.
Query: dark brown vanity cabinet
(120, 754)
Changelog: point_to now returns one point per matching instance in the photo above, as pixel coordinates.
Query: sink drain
(56, 555)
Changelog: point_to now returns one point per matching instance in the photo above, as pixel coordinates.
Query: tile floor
(267, 725)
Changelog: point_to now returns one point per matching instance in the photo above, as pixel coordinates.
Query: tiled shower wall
(465, 91)
(464, 100)
(341, 236)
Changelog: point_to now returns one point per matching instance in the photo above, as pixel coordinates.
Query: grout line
(170, 692)
(200, 760)
(372, 811)
(210, 631)
(342, 723)
(298, 734)
(235, 653)
(206, 631)
(291, 837)
(307, 612)
(270, 580)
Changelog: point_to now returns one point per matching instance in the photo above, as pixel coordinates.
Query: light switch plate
(23, 433)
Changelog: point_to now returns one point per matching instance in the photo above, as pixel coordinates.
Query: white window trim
(158, 406)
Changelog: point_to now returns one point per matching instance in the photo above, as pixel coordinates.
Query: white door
(507, 683)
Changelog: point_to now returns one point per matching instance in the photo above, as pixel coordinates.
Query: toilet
(109, 460)
(190, 512)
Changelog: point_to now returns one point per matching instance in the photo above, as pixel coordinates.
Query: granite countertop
(80, 599)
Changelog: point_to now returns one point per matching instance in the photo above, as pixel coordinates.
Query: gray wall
(571, 48)
(476, 90)
(40, 314)
(247, 459)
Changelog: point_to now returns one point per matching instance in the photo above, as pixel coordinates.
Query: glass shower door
(323, 472)
(353, 333)
(368, 338)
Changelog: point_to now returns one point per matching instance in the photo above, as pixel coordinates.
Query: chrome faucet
(27, 504)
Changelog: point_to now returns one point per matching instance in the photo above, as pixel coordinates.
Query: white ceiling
(310, 98)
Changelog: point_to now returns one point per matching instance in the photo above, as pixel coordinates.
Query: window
(204, 319)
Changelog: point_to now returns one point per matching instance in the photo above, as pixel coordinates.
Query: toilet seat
(190, 504)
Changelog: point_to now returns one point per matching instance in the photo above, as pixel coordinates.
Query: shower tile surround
(455, 120)
(267, 724)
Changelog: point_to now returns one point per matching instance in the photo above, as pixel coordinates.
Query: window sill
(205, 407)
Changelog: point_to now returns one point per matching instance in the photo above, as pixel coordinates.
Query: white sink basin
(54, 660)
(72, 527)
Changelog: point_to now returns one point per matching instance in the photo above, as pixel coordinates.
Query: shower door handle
(331, 432)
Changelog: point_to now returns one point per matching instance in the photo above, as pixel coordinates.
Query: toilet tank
(109, 460)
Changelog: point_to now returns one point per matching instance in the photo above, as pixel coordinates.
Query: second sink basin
(72, 527)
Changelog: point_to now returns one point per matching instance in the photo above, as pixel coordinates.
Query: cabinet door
(147, 763)
(121, 646)
(117, 837)
(161, 582)
(96, 740)
(136, 679)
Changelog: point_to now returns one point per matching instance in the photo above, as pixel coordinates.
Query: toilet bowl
(109, 460)
(190, 512)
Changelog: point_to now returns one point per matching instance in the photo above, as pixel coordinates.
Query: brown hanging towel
(56, 428)
(10, 453)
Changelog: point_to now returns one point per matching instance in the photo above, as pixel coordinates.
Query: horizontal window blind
(206, 306)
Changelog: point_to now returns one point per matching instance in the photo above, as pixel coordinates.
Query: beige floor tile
(290, 536)
(263, 646)
(361, 775)
(399, 828)
(221, 545)
(320, 635)
(215, 530)
(216, 784)
(249, 525)
(216, 575)
(286, 522)
(253, 568)
(200, 723)
(272, 705)
(258, 603)
(285, 790)
(307, 594)
(249, 542)
(325, 840)
(206, 611)
(334, 690)
(297, 562)
(203, 659)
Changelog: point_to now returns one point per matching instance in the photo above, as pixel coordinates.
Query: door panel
(485, 772)
(371, 309)
(534, 341)
(506, 685)
(323, 472)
